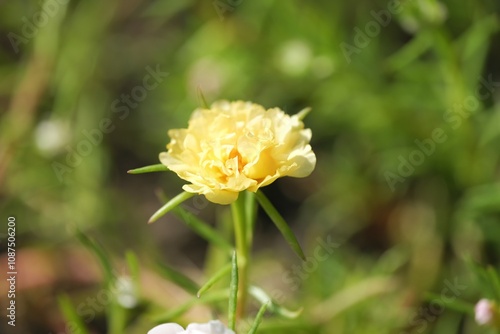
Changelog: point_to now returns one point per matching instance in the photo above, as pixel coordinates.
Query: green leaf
(494, 281)
(456, 304)
(117, 317)
(200, 227)
(178, 278)
(133, 267)
(71, 315)
(258, 318)
(214, 279)
(174, 202)
(149, 169)
(208, 298)
(250, 215)
(280, 223)
(201, 98)
(233, 292)
(101, 255)
(303, 113)
(263, 298)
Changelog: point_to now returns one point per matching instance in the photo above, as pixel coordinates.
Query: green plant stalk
(242, 251)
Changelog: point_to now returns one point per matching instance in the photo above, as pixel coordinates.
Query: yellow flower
(236, 146)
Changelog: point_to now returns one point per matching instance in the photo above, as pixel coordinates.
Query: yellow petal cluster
(236, 146)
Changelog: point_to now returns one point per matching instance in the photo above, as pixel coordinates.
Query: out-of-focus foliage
(406, 127)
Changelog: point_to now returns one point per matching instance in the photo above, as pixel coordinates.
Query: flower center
(235, 161)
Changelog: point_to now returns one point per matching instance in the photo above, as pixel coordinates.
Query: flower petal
(170, 328)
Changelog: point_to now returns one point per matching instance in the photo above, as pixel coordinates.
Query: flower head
(212, 327)
(237, 146)
(486, 312)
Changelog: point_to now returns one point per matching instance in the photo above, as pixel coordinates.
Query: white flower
(485, 312)
(237, 146)
(212, 327)
(126, 292)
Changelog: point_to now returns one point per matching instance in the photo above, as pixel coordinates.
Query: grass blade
(263, 298)
(280, 223)
(208, 298)
(214, 279)
(133, 267)
(494, 281)
(233, 292)
(258, 318)
(101, 255)
(201, 98)
(149, 169)
(199, 226)
(178, 278)
(71, 315)
(174, 202)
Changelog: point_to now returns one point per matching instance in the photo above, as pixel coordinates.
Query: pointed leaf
(455, 304)
(201, 228)
(263, 298)
(303, 113)
(258, 318)
(149, 169)
(133, 267)
(233, 292)
(214, 279)
(494, 281)
(178, 278)
(280, 223)
(201, 98)
(101, 255)
(208, 298)
(174, 202)
(71, 315)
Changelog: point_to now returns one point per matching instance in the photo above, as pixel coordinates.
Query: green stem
(242, 251)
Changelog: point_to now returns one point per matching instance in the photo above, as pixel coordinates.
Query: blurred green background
(406, 128)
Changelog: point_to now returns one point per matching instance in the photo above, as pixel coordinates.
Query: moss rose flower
(213, 327)
(236, 146)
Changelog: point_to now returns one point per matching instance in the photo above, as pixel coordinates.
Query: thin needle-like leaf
(170, 205)
(208, 298)
(214, 279)
(303, 113)
(149, 169)
(101, 255)
(200, 227)
(70, 313)
(178, 278)
(258, 318)
(201, 99)
(263, 298)
(495, 281)
(233, 292)
(133, 267)
(280, 223)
